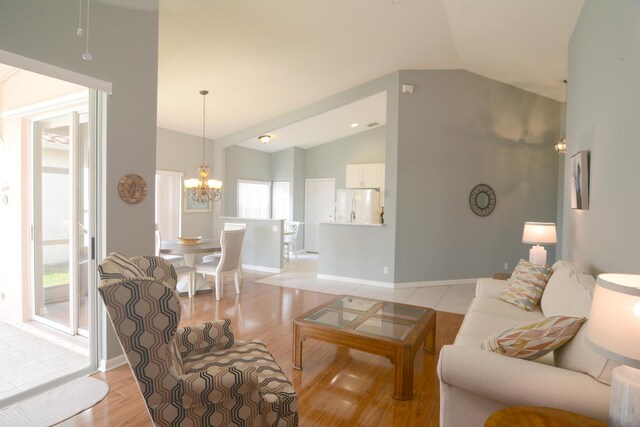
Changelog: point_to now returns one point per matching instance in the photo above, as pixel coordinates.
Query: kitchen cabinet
(368, 175)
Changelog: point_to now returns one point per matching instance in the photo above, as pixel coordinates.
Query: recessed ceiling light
(264, 139)
(354, 125)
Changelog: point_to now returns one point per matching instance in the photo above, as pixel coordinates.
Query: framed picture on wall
(191, 206)
(580, 180)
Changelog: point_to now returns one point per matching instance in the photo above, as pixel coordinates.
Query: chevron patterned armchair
(198, 375)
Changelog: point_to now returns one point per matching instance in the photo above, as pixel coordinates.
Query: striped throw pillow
(526, 284)
(533, 340)
(117, 267)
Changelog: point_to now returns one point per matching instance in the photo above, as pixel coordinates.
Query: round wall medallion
(132, 188)
(482, 200)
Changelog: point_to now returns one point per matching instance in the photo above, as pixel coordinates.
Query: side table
(501, 276)
(536, 416)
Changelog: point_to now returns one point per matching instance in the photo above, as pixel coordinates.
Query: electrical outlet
(385, 270)
(506, 266)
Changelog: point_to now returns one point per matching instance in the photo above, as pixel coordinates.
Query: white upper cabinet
(369, 175)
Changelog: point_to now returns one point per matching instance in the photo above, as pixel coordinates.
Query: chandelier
(203, 190)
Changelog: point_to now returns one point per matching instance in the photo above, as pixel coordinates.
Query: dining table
(189, 252)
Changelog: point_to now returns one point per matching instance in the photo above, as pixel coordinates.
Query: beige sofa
(475, 383)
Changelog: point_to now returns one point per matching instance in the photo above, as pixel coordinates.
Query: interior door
(319, 204)
(62, 221)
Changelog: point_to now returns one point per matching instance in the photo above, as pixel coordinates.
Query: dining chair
(229, 261)
(289, 240)
(214, 256)
(173, 259)
(195, 375)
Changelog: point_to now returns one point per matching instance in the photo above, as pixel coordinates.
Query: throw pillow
(533, 340)
(526, 284)
(118, 267)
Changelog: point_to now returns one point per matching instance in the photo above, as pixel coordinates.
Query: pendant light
(203, 190)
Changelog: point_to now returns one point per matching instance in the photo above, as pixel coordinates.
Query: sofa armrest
(487, 287)
(517, 382)
(219, 383)
(205, 337)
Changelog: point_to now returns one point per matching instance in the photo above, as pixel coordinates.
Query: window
(254, 199)
(280, 201)
(168, 200)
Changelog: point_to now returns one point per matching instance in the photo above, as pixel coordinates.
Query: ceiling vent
(372, 124)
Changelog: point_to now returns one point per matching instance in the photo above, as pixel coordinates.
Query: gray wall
(457, 130)
(124, 45)
(242, 163)
(298, 188)
(180, 152)
(262, 244)
(330, 160)
(602, 116)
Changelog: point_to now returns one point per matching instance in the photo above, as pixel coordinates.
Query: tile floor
(31, 356)
(300, 273)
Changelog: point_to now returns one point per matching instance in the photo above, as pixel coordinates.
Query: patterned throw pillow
(526, 285)
(533, 340)
(117, 267)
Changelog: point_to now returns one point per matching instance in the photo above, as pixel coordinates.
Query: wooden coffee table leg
(297, 347)
(404, 373)
(430, 340)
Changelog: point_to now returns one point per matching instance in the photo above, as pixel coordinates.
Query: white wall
(602, 117)
(124, 44)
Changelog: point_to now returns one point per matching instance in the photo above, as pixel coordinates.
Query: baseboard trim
(261, 268)
(398, 285)
(357, 281)
(114, 362)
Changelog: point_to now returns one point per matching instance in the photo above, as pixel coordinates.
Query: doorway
(319, 203)
(62, 220)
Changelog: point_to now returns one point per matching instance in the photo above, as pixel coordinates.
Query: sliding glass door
(62, 221)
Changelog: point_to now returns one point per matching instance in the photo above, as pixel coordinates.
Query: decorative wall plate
(132, 188)
(482, 200)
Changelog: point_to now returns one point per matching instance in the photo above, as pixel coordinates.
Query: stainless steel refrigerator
(358, 206)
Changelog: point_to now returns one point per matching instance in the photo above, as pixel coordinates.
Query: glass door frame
(73, 110)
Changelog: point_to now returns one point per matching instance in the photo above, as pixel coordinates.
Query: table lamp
(537, 233)
(614, 332)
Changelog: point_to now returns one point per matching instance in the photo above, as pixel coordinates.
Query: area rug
(54, 406)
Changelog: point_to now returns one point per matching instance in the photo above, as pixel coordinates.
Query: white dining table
(190, 250)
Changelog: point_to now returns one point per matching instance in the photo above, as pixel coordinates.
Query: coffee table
(396, 331)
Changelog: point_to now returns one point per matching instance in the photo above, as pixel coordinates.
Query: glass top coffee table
(396, 331)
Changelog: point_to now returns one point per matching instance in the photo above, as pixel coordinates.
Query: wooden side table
(501, 276)
(535, 416)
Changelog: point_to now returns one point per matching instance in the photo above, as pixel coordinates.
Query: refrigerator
(358, 206)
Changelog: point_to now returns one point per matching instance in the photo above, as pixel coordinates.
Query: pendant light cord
(88, 7)
(204, 98)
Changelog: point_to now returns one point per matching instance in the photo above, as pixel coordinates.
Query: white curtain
(254, 199)
(280, 201)
(168, 203)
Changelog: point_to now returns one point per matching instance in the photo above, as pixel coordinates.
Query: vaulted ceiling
(260, 59)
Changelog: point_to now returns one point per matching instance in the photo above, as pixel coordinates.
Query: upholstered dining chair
(197, 375)
(215, 256)
(229, 262)
(173, 259)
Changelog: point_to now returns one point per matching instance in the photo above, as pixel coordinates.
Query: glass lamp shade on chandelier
(203, 190)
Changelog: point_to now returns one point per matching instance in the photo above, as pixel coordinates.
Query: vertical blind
(280, 201)
(254, 199)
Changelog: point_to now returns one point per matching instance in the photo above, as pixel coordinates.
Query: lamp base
(624, 408)
(538, 255)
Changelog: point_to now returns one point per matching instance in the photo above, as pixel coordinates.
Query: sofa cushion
(577, 356)
(526, 284)
(118, 267)
(500, 308)
(568, 294)
(532, 340)
(469, 341)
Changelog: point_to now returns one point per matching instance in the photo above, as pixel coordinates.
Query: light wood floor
(337, 387)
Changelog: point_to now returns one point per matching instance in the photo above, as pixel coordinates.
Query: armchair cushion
(220, 383)
(204, 337)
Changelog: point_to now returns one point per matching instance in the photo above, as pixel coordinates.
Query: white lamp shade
(614, 322)
(539, 233)
(191, 183)
(215, 184)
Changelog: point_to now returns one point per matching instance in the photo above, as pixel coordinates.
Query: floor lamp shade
(539, 233)
(614, 332)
